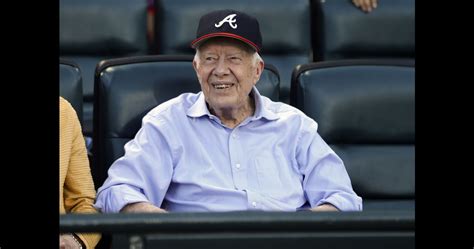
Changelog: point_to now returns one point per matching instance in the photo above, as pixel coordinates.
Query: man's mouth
(220, 86)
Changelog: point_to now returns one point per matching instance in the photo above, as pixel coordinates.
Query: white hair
(256, 58)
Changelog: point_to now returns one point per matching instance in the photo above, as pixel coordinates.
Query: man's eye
(234, 58)
(210, 58)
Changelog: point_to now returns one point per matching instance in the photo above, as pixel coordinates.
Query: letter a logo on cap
(229, 19)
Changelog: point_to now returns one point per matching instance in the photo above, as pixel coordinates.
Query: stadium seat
(91, 31)
(342, 31)
(70, 85)
(126, 89)
(365, 112)
(284, 24)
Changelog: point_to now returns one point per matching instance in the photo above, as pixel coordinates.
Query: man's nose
(222, 68)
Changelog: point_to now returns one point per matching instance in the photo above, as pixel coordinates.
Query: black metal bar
(242, 221)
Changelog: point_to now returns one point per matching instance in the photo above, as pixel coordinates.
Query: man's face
(227, 72)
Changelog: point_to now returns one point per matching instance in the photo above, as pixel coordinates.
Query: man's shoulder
(65, 106)
(175, 106)
(281, 109)
(288, 113)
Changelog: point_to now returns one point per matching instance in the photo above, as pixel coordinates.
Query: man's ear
(259, 70)
(195, 65)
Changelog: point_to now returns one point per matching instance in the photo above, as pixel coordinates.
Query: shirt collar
(199, 108)
(261, 110)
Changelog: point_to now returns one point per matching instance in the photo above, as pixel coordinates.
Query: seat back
(343, 31)
(365, 112)
(126, 89)
(70, 85)
(91, 31)
(284, 24)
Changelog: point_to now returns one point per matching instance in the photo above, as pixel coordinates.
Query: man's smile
(222, 85)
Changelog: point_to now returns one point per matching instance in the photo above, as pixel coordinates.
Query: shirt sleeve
(79, 192)
(325, 177)
(143, 174)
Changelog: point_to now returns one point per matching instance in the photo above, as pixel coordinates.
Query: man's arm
(326, 181)
(146, 167)
(142, 207)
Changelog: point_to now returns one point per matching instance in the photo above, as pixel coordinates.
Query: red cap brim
(197, 41)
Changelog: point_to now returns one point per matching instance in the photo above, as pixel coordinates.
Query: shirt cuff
(113, 199)
(352, 203)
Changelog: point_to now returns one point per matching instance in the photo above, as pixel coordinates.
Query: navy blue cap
(229, 23)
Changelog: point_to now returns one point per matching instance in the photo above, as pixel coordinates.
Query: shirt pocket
(268, 175)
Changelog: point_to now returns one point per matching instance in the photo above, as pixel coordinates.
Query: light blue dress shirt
(184, 159)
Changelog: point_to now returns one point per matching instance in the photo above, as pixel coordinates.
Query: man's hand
(365, 5)
(324, 207)
(141, 207)
(66, 241)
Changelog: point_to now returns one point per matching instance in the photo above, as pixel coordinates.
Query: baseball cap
(229, 23)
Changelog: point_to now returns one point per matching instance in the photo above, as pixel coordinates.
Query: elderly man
(227, 148)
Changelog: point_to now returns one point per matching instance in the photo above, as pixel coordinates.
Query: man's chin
(224, 105)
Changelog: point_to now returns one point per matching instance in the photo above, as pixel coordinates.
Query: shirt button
(254, 204)
(234, 135)
(237, 165)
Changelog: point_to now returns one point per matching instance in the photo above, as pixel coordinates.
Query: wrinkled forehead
(230, 43)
